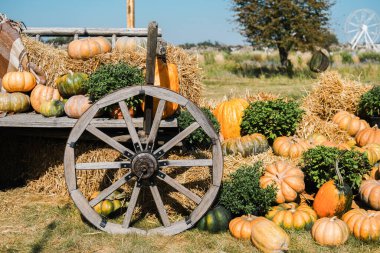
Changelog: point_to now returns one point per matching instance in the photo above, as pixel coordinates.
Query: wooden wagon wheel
(144, 163)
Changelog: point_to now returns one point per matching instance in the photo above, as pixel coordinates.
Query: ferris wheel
(362, 27)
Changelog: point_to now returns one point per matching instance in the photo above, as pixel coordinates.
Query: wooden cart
(142, 161)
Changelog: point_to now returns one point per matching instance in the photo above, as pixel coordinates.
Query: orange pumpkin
(288, 179)
(292, 216)
(349, 122)
(374, 173)
(125, 43)
(364, 225)
(229, 115)
(330, 231)
(290, 146)
(76, 106)
(373, 152)
(14, 102)
(367, 136)
(19, 81)
(316, 139)
(115, 112)
(42, 93)
(370, 193)
(240, 227)
(88, 47)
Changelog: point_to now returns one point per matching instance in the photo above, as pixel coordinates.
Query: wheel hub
(144, 165)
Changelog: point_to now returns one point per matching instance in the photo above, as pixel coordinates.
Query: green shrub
(111, 77)
(346, 57)
(369, 57)
(197, 139)
(271, 118)
(241, 194)
(318, 165)
(369, 103)
(209, 58)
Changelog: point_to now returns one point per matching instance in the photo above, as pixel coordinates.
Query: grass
(30, 222)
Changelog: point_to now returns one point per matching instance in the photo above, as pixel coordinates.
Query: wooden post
(130, 13)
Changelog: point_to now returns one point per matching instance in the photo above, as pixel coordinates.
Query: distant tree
(58, 41)
(329, 40)
(284, 24)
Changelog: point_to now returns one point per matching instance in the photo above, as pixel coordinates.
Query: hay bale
(56, 62)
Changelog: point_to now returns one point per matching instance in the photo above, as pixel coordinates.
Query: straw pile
(55, 62)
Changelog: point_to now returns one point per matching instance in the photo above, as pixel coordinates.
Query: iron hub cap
(144, 165)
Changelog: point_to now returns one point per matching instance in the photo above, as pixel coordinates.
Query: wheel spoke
(155, 125)
(179, 137)
(185, 163)
(131, 205)
(116, 145)
(182, 189)
(160, 205)
(110, 189)
(102, 165)
(130, 126)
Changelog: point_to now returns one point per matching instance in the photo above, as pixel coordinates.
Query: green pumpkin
(247, 145)
(52, 108)
(71, 84)
(216, 220)
(14, 102)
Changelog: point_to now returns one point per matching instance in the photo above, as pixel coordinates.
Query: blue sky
(182, 21)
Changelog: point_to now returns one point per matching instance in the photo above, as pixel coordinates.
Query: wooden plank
(120, 95)
(156, 124)
(130, 126)
(179, 137)
(69, 165)
(101, 165)
(131, 205)
(165, 94)
(217, 161)
(83, 31)
(174, 229)
(182, 189)
(160, 205)
(203, 121)
(186, 163)
(130, 13)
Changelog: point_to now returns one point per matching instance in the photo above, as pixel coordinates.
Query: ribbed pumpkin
(316, 139)
(334, 198)
(364, 225)
(292, 216)
(14, 102)
(349, 122)
(71, 84)
(330, 231)
(76, 106)
(115, 112)
(268, 237)
(247, 145)
(373, 152)
(370, 193)
(43, 93)
(288, 179)
(229, 115)
(216, 220)
(241, 227)
(130, 44)
(374, 173)
(291, 147)
(88, 47)
(52, 108)
(18, 81)
(367, 136)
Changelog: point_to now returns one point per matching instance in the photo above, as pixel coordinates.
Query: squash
(330, 231)
(291, 147)
(364, 225)
(43, 93)
(268, 237)
(52, 108)
(115, 112)
(349, 122)
(216, 220)
(240, 227)
(111, 204)
(76, 106)
(374, 173)
(370, 193)
(88, 47)
(288, 179)
(367, 136)
(334, 198)
(71, 84)
(247, 145)
(124, 44)
(14, 102)
(230, 115)
(373, 152)
(292, 216)
(18, 81)
(316, 139)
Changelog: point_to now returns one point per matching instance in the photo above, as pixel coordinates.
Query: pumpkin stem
(340, 178)
(333, 218)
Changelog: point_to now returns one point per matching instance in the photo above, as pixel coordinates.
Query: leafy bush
(319, 166)
(111, 77)
(346, 57)
(271, 118)
(197, 139)
(241, 194)
(369, 57)
(369, 103)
